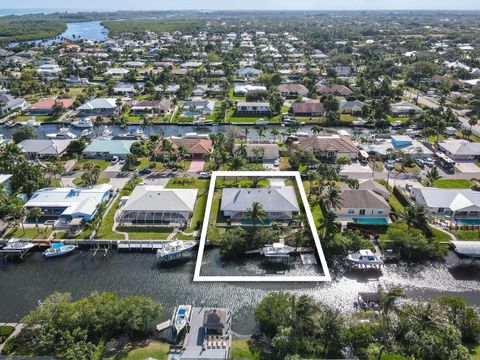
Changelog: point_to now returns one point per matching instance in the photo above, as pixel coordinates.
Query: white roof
(4, 177)
(271, 199)
(99, 103)
(460, 147)
(78, 201)
(157, 198)
(453, 199)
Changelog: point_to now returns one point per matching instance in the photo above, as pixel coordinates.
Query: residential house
(264, 152)
(366, 206)
(46, 106)
(5, 184)
(50, 71)
(343, 71)
(354, 107)
(152, 106)
(312, 108)
(330, 147)
(99, 107)
(253, 108)
(340, 90)
(242, 90)
(199, 106)
(125, 90)
(458, 149)
(404, 109)
(9, 103)
(292, 90)
(457, 204)
(44, 148)
(197, 146)
(157, 206)
(70, 206)
(248, 72)
(107, 149)
(279, 203)
(401, 143)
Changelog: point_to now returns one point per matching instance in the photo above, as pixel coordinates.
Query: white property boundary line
(306, 205)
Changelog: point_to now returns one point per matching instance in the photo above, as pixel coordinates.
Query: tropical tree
(388, 304)
(432, 175)
(415, 216)
(332, 199)
(328, 225)
(256, 213)
(36, 213)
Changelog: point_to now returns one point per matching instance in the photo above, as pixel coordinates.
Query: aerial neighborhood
(321, 147)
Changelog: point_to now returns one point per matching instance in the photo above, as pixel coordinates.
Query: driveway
(355, 167)
(117, 167)
(268, 165)
(468, 167)
(196, 166)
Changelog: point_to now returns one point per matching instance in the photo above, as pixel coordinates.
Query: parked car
(429, 162)
(389, 165)
(145, 171)
(114, 160)
(276, 163)
(204, 175)
(420, 163)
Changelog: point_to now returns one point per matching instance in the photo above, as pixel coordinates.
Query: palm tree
(261, 131)
(432, 175)
(36, 213)
(167, 147)
(316, 129)
(275, 132)
(237, 163)
(387, 305)
(18, 213)
(332, 199)
(246, 130)
(312, 176)
(241, 150)
(328, 224)
(256, 213)
(352, 183)
(415, 216)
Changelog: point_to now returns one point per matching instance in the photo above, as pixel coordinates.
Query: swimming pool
(376, 221)
(468, 221)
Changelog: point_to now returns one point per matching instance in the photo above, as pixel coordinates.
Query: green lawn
(241, 350)
(79, 181)
(196, 184)
(439, 235)
(80, 165)
(39, 118)
(29, 233)
(452, 183)
(198, 212)
(155, 349)
(475, 352)
(392, 119)
(471, 235)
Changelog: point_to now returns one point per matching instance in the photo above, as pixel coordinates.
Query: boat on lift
(18, 245)
(63, 133)
(276, 251)
(202, 122)
(31, 122)
(86, 134)
(174, 250)
(59, 249)
(365, 258)
(182, 317)
(83, 123)
(106, 134)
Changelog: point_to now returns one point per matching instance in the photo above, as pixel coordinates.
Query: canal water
(25, 283)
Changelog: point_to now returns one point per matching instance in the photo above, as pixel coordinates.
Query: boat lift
(9, 252)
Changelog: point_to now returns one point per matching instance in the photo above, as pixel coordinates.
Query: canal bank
(23, 284)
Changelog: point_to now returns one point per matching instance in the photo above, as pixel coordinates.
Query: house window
(380, 211)
(441, 210)
(351, 211)
(362, 212)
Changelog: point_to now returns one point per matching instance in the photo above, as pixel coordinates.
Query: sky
(243, 4)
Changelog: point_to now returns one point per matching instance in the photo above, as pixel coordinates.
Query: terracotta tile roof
(315, 107)
(336, 143)
(194, 146)
(48, 104)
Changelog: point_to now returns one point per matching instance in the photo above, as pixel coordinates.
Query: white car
(276, 163)
(429, 162)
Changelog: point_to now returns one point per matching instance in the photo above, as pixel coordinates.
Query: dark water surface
(23, 284)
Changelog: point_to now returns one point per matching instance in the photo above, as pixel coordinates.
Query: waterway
(23, 284)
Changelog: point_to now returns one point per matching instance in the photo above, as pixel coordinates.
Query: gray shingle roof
(271, 199)
(156, 198)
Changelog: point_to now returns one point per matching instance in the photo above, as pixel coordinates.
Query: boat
(182, 317)
(365, 258)
(30, 122)
(63, 133)
(83, 123)
(18, 245)
(174, 250)
(276, 250)
(261, 122)
(302, 134)
(202, 122)
(106, 134)
(86, 134)
(59, 249)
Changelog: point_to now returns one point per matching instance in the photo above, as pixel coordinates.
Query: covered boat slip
(470, 249)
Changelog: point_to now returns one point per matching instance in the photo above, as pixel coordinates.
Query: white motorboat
(83, 123)
(276, 250)
(365, 258)
(202, 122)
(261, 122)
(302, 134)
(30, 122)
(106, 134)
(174, 250)
(18, 245)
(59, 249)
(182, 317)
(63, 133)
(86, 134)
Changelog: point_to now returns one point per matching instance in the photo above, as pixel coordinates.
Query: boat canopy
(467, 248)
(57, 246)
